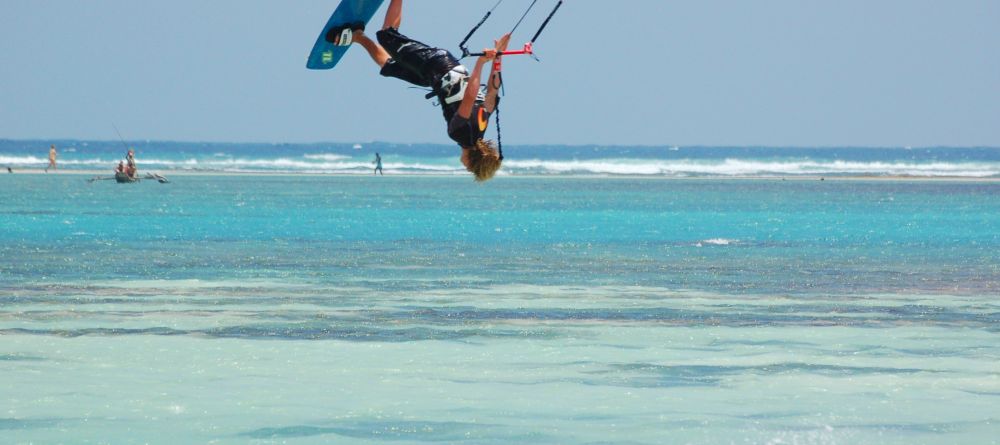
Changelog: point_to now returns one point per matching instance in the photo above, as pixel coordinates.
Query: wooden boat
(123, 178)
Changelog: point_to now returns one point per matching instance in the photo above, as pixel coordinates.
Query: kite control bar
(526, 50)
(528, 47)
(496, 61)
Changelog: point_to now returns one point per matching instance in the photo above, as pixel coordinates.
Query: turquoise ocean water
(551, 309)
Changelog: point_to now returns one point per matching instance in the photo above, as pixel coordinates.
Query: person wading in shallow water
(378, 165)
(52, 158)
(466, 109)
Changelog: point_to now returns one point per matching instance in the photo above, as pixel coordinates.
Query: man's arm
(472, 88)
(493, 87)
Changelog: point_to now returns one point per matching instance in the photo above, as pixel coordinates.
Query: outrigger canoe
(122, 178)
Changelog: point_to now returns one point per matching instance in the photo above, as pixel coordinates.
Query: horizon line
(435, 144)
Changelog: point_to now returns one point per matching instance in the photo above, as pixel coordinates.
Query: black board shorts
(413, 61)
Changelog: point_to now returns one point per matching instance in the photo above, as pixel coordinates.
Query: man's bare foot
(355, 36)
(347, 33)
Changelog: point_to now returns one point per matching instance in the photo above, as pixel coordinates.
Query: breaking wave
(751, 167)
(662, 166)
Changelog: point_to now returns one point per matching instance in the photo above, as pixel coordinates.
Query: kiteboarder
(466, 109)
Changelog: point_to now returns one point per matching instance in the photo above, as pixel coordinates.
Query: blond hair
(484, 161)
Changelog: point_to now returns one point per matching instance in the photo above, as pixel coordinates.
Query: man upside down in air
(466, 109)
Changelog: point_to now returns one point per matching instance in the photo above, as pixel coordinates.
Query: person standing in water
(130, 160)
(52, 158)
(378, 165)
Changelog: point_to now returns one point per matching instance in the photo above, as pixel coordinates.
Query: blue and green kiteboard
(325, 55)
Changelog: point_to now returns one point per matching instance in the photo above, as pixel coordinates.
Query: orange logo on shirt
(483, 120)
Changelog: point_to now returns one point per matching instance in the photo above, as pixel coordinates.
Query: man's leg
(394, 15)
(388, 53)
(393, 18)
(382, 58)
(377, 53)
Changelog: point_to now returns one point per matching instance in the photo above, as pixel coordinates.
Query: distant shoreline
(169, 173)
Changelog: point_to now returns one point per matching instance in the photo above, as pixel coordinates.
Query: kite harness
(527, 49)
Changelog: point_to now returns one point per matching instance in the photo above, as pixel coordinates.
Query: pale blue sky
(650, 72)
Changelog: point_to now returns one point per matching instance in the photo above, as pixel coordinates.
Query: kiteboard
(325, 55)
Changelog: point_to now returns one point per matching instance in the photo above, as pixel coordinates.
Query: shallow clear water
(293, 309)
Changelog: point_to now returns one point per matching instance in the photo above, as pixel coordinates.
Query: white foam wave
(22, 160)
(742, 167)
(335, 163)
(718, 242)
(32, 160)
(326, 157)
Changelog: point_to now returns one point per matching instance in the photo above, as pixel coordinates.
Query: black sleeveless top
(466, 132)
